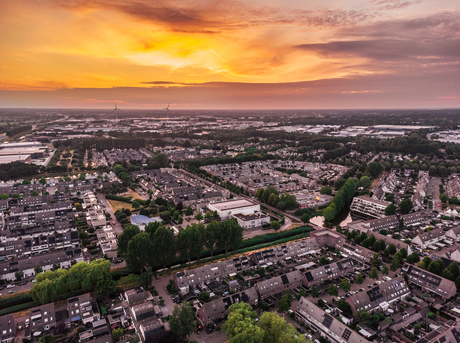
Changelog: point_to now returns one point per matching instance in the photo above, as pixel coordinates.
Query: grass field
(132, 194)
(118, 205)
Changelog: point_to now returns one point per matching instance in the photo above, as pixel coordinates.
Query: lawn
(132, 194)
(118, 205)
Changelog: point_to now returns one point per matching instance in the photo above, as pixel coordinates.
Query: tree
(314, 292)
(188, 211)
(405, 206)
(276, 330)
(190, 241)
(211, 234)
(332, 290)
(285, 302)
(259, 193)
(390, 210)
(392, 249)
(365, 182)
(4, 196)
(18, 275)
(362, 315)
(230, 235)
(329, 212)
(390, 197)
(374, 169)
(374, 274)
(117, 333)
(324, 260)
(385, 270)
(38, 270)
(345, 285)
(182, 321)
(375, 260)
(139, 252)
(359, 279)
(199, 216)
(413, 258)
(208, 215)
(128, 233)
(275, 225)
(98, 277)
(395, 264)
(164, 246)
(34, 194)
(326, 190)
(241, 325)
(436, 267)
(344, 306)
(305, 218)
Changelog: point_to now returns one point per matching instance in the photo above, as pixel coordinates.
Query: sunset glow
(230, 54)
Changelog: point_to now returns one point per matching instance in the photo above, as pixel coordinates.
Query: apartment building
(369, 207)
(7, 328)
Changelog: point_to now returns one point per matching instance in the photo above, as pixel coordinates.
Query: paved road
(436, 199)
(117, 228)
(16, 289)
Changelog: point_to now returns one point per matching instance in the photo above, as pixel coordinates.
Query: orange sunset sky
(230, 54)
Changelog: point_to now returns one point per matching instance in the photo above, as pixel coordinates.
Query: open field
(118, 205)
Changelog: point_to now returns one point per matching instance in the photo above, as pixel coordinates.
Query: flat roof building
(369, 207)
(226, 209)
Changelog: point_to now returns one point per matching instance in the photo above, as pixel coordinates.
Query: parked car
(11, 286)
(11, 291)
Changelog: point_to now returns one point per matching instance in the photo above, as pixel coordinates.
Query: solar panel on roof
(284, 279)
(308, 276)
(327, 320)
(346, 334)
(339, 265)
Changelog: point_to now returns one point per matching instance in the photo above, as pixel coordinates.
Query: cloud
(210, 17)
(394, 4)
(418, 40)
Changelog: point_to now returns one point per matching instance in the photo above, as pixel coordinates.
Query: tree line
(101, 144)
(341, 199)
(51, 285)
(18, 130)
(137, 247)
(270, 196)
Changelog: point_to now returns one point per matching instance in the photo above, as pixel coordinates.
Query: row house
(40, 199)
(38, 217)
(425, 239)
(330, 327)
(379, 297)
(328, 272)
(22, 189)
(300, 248)
(454, 234)
(278, 284)
(37, 230)
(430, 282)
(63, 258)
(42, 243)
(218, 309)
(197, 276)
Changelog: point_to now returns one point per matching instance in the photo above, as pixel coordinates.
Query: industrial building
(226, 209)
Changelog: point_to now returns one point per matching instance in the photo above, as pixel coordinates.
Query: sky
(219, 54)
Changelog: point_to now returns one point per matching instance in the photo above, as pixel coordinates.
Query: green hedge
(19, 307)
(270, 237)
(15, 300)
(118, 198)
